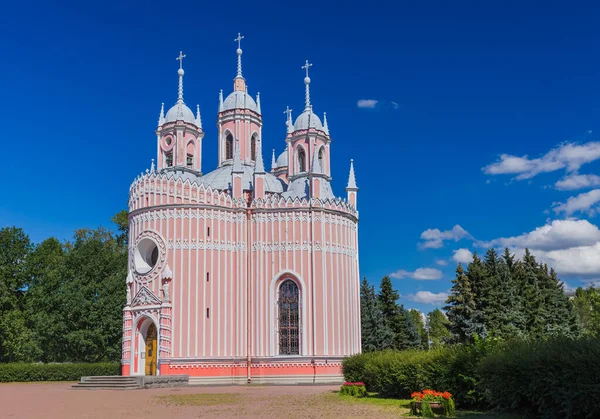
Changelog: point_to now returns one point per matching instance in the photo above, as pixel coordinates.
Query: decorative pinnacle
(239, 54)
(180, 72)
(288, 122)
(152, 166)
(198, 119)
(273, 161)
(351, 178)
(259, 166)
(307, 83)
(325, 126)
(221, 100)
(237, 162)
(316, 164)
(161, 117)
(258, 102)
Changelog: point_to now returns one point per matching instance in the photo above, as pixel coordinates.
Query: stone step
(81, 386)
(108, 379)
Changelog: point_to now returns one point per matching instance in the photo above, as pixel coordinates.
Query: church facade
(241, 274)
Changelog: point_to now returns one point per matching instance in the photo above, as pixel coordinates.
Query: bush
(400, 373)
(55, 372)
(555, 379)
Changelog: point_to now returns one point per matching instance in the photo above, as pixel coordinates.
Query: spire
(258, 102)
(239, 55)
(152, 166)
(161, 117)
(198, 119)
(351, 178)
(221, 101)
(273, 161)
(180, 72)
(237, 159)
(259, 166)
(307, 83)
(325, 126)
(288, 123)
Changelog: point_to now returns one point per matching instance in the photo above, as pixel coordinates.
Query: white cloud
(560, 234)
(394, 105)
(428, 297)
(421, 274)
(434, 238)
(462, 256)
(584, 203)
(575, 181)
(367, 103)
(568, 156)
(442, 262)
(571, 247)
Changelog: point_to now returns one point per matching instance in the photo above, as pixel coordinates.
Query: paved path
(58, 400)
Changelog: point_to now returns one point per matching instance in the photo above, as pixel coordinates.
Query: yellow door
(151, 350)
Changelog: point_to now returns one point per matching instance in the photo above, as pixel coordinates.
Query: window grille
(289, 318)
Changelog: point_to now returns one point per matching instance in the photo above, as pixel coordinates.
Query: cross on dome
(180, 59)
(239, 54)
(306, 66)
(180, 72)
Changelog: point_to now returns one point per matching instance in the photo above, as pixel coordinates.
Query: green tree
(395, 316)
(375, 334)
(464, 322)
(417, 320)
(587, 307)
(121, 219)
(16, 340)
(438, 328)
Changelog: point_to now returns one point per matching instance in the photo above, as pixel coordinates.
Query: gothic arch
(253, 145)
(276, 283)
(300, 159)
(228, 145)
(138, 342)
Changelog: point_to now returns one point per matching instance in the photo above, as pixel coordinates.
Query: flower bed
(357, 389)
(428, 402)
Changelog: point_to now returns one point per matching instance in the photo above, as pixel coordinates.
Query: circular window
(168, 140)
(146, 255)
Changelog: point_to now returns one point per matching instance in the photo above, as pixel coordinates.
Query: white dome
(282, 160)
(180, 112)
(240, 100)
(306, 120)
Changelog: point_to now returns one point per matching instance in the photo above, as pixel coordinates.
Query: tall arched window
(289, 318)
(169, 159)
(301, 160)
(229, 147)
(322, 159)
(190, 155)
(253, 148)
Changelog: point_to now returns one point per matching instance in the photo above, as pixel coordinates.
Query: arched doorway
(151, 349)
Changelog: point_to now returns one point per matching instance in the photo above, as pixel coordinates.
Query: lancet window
(301, 160)
(229, 147)
(321, 159)
(253, 148)
(289, 318)
(169, 159)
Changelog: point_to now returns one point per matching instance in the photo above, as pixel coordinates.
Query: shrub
(353, 389)
(555, 379)
(55, 372)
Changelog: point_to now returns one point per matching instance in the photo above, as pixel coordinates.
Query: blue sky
(487, 117)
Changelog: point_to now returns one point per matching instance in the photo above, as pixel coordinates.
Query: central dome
(180, 112)
(306, 120)
(240, 100)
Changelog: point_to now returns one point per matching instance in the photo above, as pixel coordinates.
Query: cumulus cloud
(560, 234)
(441, 262)
(585, 203)
(462, 256)
(568, 156)
(571, 247)
(434, 238)
(367, 103)
(421, 274)
(575, 181)
(428, 297)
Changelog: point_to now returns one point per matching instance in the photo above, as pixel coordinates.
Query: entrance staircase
(111, 382)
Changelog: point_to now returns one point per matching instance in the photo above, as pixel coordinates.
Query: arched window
(289, 318)
(322, 159)
(169, 159)
(253, 148)
(229, 147)
(301, 160)
(190, 155)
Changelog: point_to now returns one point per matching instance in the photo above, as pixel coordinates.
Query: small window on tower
(208, 313)
(321, 155)
(253, 148)
(229, 147)
(208, 277)
(208, 231)
(169, 159)
(301, 160)
(190, 161)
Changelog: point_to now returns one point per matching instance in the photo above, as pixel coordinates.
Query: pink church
(241, 275)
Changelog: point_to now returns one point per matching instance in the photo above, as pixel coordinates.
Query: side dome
(180, 112)
(306, 120)
(240, 100)
(282, 160)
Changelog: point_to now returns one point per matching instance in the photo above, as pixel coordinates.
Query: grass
(200, 399)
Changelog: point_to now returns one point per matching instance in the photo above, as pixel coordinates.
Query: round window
(146, 256)
(168, 140)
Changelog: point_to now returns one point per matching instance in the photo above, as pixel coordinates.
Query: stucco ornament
(145, 297)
